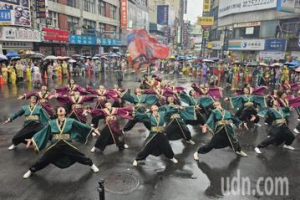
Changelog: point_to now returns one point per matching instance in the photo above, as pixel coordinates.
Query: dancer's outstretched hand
(204, 129)
(6, 122)
(29, 141)
(246, 126)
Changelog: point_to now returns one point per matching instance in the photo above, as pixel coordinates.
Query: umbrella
(37, 56)
(254, 63)
(29, 52)
(2, 57)
(12, 54)
(120, 54)
(113, 55)
(293, 63)
(72, 61)
(75, 55)
(298, 69)
(16, 58)
(172, 57)
(51, 58)
(263, 64)
(95, 58)
(208, 60)
(276, 65)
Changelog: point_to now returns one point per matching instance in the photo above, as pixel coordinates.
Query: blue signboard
(5, 16)
(286, 5)
(81, 39)
(275, 45)
(162, 14)
(110, 42)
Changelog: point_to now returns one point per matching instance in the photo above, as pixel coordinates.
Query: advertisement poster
(19, 12)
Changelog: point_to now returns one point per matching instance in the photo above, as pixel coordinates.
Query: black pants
(282, 135)
(27, 132)
(158, 145)
(106, 138)
(60, 150)
(131, 123)
(245, 114)
(219, 140)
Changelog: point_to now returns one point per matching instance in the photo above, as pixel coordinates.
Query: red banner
(56, 35)
(124, 5)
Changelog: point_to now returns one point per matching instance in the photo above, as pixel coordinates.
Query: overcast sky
(194, 9)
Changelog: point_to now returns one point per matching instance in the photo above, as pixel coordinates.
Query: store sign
(162, 14)
(206, 34)
(55, 35)
(247, 24)
(206, 21)
(20, 13)
(271, 55)
(216, 45)
(124, 16)
(286, 5)
(185, 3)
(209, 45)
(5, 17)
(206, 5)
(185, 34)
(19, 34)
(246, 45)
(17, 45)
(108, 42)
(229, 7)
(41, 8)
(275, 45)
(82, 40)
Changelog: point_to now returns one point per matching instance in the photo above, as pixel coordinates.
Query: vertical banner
(124, 4)
(185, 35)
(162, 14)
(206, 6)
(41, 8)
(185, 6)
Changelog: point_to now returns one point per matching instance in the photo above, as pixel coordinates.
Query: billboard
(229, 7)
(275, 45)
(20, 14)
(206, 21)
(248, 45)
(163, 14)
(124, 17)
(286, 5)
(41, 8)
(206, 5)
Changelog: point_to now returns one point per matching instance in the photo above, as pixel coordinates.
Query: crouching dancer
(62, 153)
(219, 124)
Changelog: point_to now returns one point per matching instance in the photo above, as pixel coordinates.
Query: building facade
(253, 30)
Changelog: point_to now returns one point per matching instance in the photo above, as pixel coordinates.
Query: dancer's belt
(77, 106)
(61, 136)
(223, 122)
(110, 118)
(157, 128)
(280, 121)
(175, 116)
(43, 100)
(102, 98)
(139, 105)
(32, 117)
(248, 104)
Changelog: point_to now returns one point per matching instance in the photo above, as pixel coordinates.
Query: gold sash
(61, 136)
(157, 128)
(32, 117)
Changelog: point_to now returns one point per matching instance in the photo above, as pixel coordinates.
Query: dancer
(157, 142)
(43, 98)
(71, 88)
(280, 132)
(102, 95)
(176, 128)
(111, 132)
(219, 124)
(140, 100)
(35, 119)
(61, 152)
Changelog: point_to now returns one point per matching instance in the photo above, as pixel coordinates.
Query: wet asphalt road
(159, 179)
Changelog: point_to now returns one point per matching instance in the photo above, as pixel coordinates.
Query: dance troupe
(165, 110)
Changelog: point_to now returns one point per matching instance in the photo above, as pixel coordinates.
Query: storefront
(246, 50)
(274, 50)
(216, 47)
(110, 44)
(84, 45)
(54, 42)
(13, 39)
(293, 47)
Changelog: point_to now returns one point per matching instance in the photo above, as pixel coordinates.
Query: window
(102, 27)
(89, 5)
(113, 12)
(72, 3)
(101, 8)
(53, 19)
(89, 23)
(73, 22)
(54, 0)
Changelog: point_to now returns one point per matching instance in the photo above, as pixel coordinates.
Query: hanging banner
(286, 5)
(19, 12)
(206, 5)
(19, 34)
(162, 14)
(41, 8)
(206, 21)
(124, 16)
(206, 34)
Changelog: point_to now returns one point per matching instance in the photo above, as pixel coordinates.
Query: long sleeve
(260, 101)
(211, 123)
(97, 113)
(185, 98)
(143, 117)
(28, 95)
(88, 98)
(41, 138)
(17, 114)
(91, 90)
(237, 122)
(188, 113)
(80, 131)
(125, 112)
(151, 99)
(127, 97)
(44, 116)
(236, 102)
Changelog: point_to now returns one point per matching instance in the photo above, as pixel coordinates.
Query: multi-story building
(253, 30)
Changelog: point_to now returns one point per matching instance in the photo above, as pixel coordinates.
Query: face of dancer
(101, 88)
(77, 94)
(72, 82)
(170, 100)
(33, 100)
(138, 91)
(108, 105)
(44, 88)
(217, 105)
(193, 93)
(284, 96)
(286, 82)
(154, 108)
(61, 111)
(116, 86)
(276, 104)
(246, 91)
